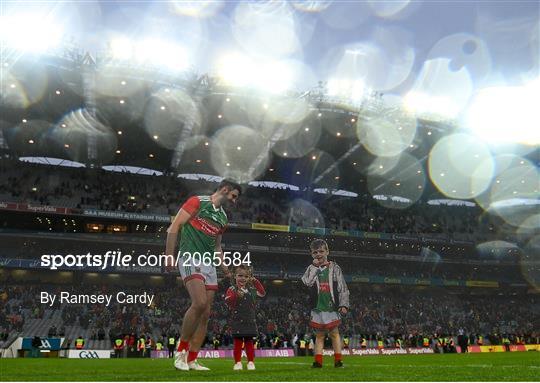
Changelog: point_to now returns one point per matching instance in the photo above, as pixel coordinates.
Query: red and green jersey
(200, 232)
(324, 300)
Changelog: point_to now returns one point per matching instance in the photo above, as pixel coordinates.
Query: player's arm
(219, 250)
(310, 276)
(343, 290)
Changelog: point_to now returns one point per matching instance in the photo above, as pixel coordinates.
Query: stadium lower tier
(379, 314)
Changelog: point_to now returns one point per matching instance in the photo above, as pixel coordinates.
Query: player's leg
(210, 279)
(197, 292)
(319, 346)
(199, 335)
(337, 346)
(193, 315)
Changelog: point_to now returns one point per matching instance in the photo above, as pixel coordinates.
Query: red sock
(337, 357)
(183, 345)
(250, 350)
(192, 355)
(318, 358)
(237, 350)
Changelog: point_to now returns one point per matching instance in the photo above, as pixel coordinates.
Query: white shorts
(207, 274)
(324, 320)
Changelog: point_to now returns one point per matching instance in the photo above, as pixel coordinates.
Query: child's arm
(231, 297)
(310, 276)
(261, 292)
(343, 290)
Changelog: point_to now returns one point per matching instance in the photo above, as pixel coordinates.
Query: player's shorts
(324, 320)
(207, 274)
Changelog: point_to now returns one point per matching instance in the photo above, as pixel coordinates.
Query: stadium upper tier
(94, 113)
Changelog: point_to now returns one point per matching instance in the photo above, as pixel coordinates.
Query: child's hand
(240, 293)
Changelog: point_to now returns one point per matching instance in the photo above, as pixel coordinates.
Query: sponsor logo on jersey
(205, 226)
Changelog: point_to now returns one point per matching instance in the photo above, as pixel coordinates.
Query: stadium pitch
(518, 366)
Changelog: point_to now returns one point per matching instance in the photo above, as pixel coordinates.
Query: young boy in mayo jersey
(330, 299)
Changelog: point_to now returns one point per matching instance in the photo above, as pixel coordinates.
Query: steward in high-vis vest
(140, 346)
(425, 342)
(451, 345)
(159, 346)
(398, 343)
(440, 345)
(171, 343)
(148, 347)
(118, 347)
(363, 343)
(346, 342)
(215, 343)
(380, 344)
(79, 343)
(480, 340)
(506, 343)
(302, 347)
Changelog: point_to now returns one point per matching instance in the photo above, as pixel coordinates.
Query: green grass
(516, 366)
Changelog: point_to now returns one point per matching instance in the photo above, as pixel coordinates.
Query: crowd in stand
(105, 190)
(377, 313)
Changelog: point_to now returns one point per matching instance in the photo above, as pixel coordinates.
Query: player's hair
(231, 185)
(318, 243)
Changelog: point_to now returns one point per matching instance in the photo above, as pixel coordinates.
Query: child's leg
(250, 350)
(319, 345)
(237, 353)
(336, 343)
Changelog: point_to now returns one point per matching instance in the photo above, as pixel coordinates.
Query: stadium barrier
(165, 218)
(382, 351)
(89, 354)
(271, 353)
(499, 348)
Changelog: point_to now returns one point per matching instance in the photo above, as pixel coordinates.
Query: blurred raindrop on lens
(305, 138)
(464, 50)
(530, 262)
(304, 214)
(321, 173)
(81, 129)
(168, 113)
(440, 93)
(401, 185)
(239, 153)
(386, 134)
(310, 5)
(201, 9)
(461, 166)
(265, 29)
(387, 9)
(23, 84)
(495, 249)
(513, 194)
(348, 17)
(18, 136)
